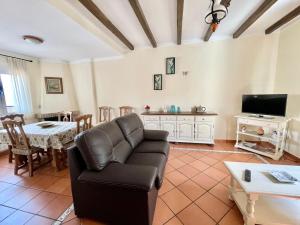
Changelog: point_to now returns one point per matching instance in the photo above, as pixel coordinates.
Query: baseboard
(291, 157)
(224, 141)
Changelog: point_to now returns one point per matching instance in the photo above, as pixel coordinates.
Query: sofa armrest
(156, 135)
(123, 176)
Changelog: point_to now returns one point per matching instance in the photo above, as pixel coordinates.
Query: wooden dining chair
(105, 114)
(21, 147)
(84, 122)
(124, 110)
(65, 116)
(17, 117)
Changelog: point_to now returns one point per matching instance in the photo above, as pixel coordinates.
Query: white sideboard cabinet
(183, 127)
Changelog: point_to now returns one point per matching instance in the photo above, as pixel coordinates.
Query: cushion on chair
(150, 159)
(132, 128)
(121, 148)
(153, 147)
(95, 148)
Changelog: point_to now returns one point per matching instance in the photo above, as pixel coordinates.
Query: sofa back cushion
(132, 128)
(95, 147)
(121, 148)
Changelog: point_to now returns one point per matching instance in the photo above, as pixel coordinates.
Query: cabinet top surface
(156, 113)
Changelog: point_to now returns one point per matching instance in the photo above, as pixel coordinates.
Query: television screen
(271, 104)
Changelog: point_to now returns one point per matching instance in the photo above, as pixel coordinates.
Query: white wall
(57, 102)
(84, 84)
(219, 73)
(288, 81)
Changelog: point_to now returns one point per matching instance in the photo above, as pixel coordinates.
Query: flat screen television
(268, 104)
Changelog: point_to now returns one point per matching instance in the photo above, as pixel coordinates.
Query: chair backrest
(66, 116)
(87, 122)
(104, 114)
(17, 117)
(16, 134)
(125, 110)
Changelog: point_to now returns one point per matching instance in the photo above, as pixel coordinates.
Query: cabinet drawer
(151, 118)
(185, 118)
(204, 118)
(168, 118)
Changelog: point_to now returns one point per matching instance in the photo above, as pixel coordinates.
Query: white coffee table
(263, 201)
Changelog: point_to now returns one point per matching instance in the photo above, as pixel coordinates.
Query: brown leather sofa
(116, 171)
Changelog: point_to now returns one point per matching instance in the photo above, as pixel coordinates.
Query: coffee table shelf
(263, 200)
(270, 210)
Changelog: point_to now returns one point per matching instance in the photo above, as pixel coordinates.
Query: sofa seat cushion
(122, 176)
(157, 160)
(153, 147)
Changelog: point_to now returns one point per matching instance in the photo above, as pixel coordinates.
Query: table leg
(232, 188)
(54, 159)
(10, 156)
(249, 218)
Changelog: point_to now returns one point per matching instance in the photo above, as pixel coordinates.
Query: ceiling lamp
(216, 13)
(33, 39)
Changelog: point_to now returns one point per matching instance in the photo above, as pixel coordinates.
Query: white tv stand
(274, 137)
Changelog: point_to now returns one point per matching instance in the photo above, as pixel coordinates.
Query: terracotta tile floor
(194, 190)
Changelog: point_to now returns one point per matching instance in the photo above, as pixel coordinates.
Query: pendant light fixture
(216, 13)
(33, 39)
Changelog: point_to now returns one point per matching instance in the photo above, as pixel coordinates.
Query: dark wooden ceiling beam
(255, 16)
(92, 7)
(135, 5)
(287, 18)
(209, 31)
(180, 5)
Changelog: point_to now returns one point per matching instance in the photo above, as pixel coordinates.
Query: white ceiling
(66, 39)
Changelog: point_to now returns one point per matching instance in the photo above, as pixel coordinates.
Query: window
(7, 100)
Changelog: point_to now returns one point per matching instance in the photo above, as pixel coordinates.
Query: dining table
(55, 137)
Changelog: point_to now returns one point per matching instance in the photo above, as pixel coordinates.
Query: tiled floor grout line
(212, 150)
(262, 159)
(193, 201)
(36, 214)
(64, 215)
(68, 210)
(206, 191)
(29, 187)
(33, 214)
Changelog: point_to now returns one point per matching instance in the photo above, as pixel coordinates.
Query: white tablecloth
(52, 137)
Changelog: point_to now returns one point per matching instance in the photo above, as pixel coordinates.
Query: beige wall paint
(288, 81)
(84, 83)
(218, 74)
(57, 102)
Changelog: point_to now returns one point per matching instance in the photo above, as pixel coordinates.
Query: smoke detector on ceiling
(33, 39)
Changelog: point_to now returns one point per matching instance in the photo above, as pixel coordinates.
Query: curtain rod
(27, 60)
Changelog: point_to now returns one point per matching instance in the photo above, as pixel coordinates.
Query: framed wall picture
(170, 65)
(157, 82)
(54, 85)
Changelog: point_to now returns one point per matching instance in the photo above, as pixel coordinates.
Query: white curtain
(20, 86)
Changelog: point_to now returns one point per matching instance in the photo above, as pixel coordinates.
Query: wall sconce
(185, 73)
